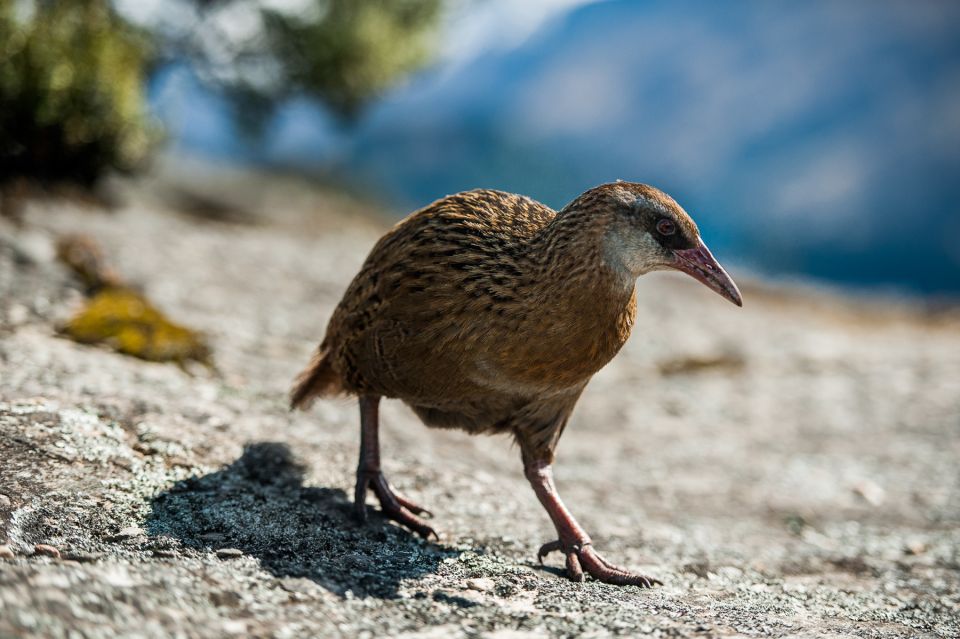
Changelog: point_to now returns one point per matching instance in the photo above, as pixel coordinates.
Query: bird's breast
(560, 348)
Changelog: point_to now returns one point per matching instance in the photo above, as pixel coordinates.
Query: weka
(490, 312)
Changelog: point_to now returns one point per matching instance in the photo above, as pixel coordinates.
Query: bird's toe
(398, 508)
(602, 570)
(574, 570)
(584, 560)
(406, 518)
(548, 548)
(413, 507)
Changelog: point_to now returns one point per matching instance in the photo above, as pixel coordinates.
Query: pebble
(871, 492)
(225, 598)
(472, 596)
(179, 462)
(46, 551)
(229, 553)
(235, 627)
(300, 585)
(481, 584)
(145, 448)
(129, 532)
(17, 314)
(6, 552)
(83, 557)
(165, 554)
(5, 501)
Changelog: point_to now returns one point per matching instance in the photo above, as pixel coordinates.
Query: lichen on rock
(120, 316)
(127, 322)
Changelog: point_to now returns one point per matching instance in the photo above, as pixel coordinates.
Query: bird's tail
(317, 379)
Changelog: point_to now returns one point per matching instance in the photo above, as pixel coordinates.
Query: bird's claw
(394, 506)
(548, 548)
(412, 506)
(582, 558)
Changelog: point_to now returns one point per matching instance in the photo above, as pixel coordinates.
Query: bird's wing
(415, 311)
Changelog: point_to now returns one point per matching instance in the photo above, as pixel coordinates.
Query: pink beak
(700, 264)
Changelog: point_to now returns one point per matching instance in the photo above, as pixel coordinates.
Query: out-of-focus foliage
(73, 74)
(71, 91)
(344, 52)
(356, 50)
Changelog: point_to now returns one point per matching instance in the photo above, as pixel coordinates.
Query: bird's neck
(580, 251)
(586, 301)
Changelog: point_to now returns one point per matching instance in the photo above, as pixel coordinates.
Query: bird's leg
(574, 542)
(369, 475)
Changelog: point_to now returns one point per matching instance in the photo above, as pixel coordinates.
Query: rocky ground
(787, 469)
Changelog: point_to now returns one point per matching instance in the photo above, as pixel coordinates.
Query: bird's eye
(666, 227)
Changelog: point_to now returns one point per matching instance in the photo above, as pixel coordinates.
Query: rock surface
(788, 469)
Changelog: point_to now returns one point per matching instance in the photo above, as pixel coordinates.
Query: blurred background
(814, 140)
(196, 181)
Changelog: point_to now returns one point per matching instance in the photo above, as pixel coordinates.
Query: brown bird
(490, 312)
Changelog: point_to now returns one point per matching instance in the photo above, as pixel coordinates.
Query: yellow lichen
(125, 320)
(120, 316)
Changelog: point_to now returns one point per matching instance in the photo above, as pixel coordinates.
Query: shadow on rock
(258, 504)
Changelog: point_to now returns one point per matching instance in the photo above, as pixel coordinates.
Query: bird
(489, 312)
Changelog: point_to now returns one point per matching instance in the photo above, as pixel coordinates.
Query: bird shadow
(260, 506)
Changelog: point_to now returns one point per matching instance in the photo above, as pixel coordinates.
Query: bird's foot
(581, 557)
(394, 506)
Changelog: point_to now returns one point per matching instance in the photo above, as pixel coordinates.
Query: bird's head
(646, 230)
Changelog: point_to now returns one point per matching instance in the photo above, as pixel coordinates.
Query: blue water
(818, 138)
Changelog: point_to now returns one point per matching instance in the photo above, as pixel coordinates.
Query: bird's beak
(700, 264)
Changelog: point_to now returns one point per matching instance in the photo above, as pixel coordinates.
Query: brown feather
(317, 380)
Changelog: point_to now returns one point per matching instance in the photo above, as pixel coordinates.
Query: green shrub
(71, 91)
(355, 50)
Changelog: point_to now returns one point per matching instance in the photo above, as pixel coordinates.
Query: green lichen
(125, 320)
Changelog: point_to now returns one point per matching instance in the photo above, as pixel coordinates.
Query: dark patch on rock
(453, 599)
(258, 505)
